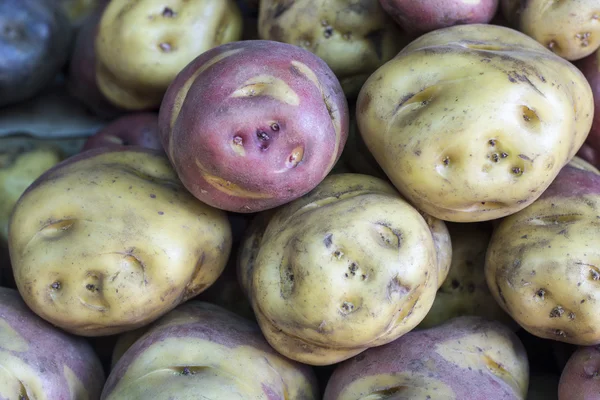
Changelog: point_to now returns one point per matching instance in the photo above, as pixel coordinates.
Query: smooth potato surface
(579, 379)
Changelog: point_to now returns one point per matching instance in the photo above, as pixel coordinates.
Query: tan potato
(473, 122)
(570, 29)
(353, 39)
(141, 46)
(109, 240)
(349, 266)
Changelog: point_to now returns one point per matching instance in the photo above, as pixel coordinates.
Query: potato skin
(419, 17)
(138, 243)
(349, 266)
(467, 358)
(590, 66)
(137, 129)
(579, 379)
(40, 361)
(473, 122)
(252, 125)
(202, 348)
(541, 262)
(571, 29)
(142, 46)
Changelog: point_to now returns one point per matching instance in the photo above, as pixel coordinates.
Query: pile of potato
(304, 199)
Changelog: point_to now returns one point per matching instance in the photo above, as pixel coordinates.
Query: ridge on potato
(109, 240)
(473, 122)
(255, 124)
(542, 264)
(349, 266)
(200, 350)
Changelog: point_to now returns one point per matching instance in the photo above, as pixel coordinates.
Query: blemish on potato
(540, 293)
(557, 312)
(168, 13)
(56, 285)
(165, 47)
(328, 240)
(295, 158)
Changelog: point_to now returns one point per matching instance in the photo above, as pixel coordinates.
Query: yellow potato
(109, 241)
(142, 45)
(353, 39)
(472, 123)
(349, 266)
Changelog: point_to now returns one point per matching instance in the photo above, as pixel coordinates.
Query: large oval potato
(349, 266)
(354, 40)
(252, 125)
(473, 122)
(590, 66)
(141, 46)
(109, 240)
(579, 380)
(200, 350)
(41, 362)
(542, 262)
(570, 29)
(467, 358)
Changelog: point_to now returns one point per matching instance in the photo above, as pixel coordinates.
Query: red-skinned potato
(138, 129)
(467, 358)
(252, 125)
(579, 379)
(41, 362)
(590, 66)
(418, 17)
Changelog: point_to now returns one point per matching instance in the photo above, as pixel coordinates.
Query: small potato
(252, 125)
(571, 29)
(579, 380)
(473, 122)
(137, 129)
(109, 240)
(467, 358)
(141, 46)
(418, 17)
(590, 66)
(353, 39)
(542, 262)
(200, 350)
(349, 266)
(41, 362)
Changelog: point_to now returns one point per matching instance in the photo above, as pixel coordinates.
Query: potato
(109, 240)
(472, 123)
(200, 350)
(578, 162)
(35, 36)
(418, 17)
(142, 46)
(465, 290)
(253, 125)
(541, 264)
(571, 29)
(467, 358)
(40, 361)
(590, 66)
(353, 39)
(349, 266)
(579, 379)
(137, 129)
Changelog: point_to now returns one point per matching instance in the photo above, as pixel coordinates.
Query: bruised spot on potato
(267, 85)
(328, 240)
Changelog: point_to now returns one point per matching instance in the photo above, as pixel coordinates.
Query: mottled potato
(590, 66)
(542, 262)
(41, 362)
(570, 29)
(200, 350)
(467, 358)
(353, 39)
(136, 129)
(108, 241)
(579, 380)
(349, 266)
(141, 46)
(473, 122)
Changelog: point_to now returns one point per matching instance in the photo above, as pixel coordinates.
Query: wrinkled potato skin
(137, 129)
(590, 66)
(579, 380)
(474, 133)
(324, 288)
(353, 38)
(571, 29)
(253, 125)
(142, 46)
(138, 242)
(226, 355)
(541, 262)
(465, 290)
(418, 17)
(467, 358)
(41, 362)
